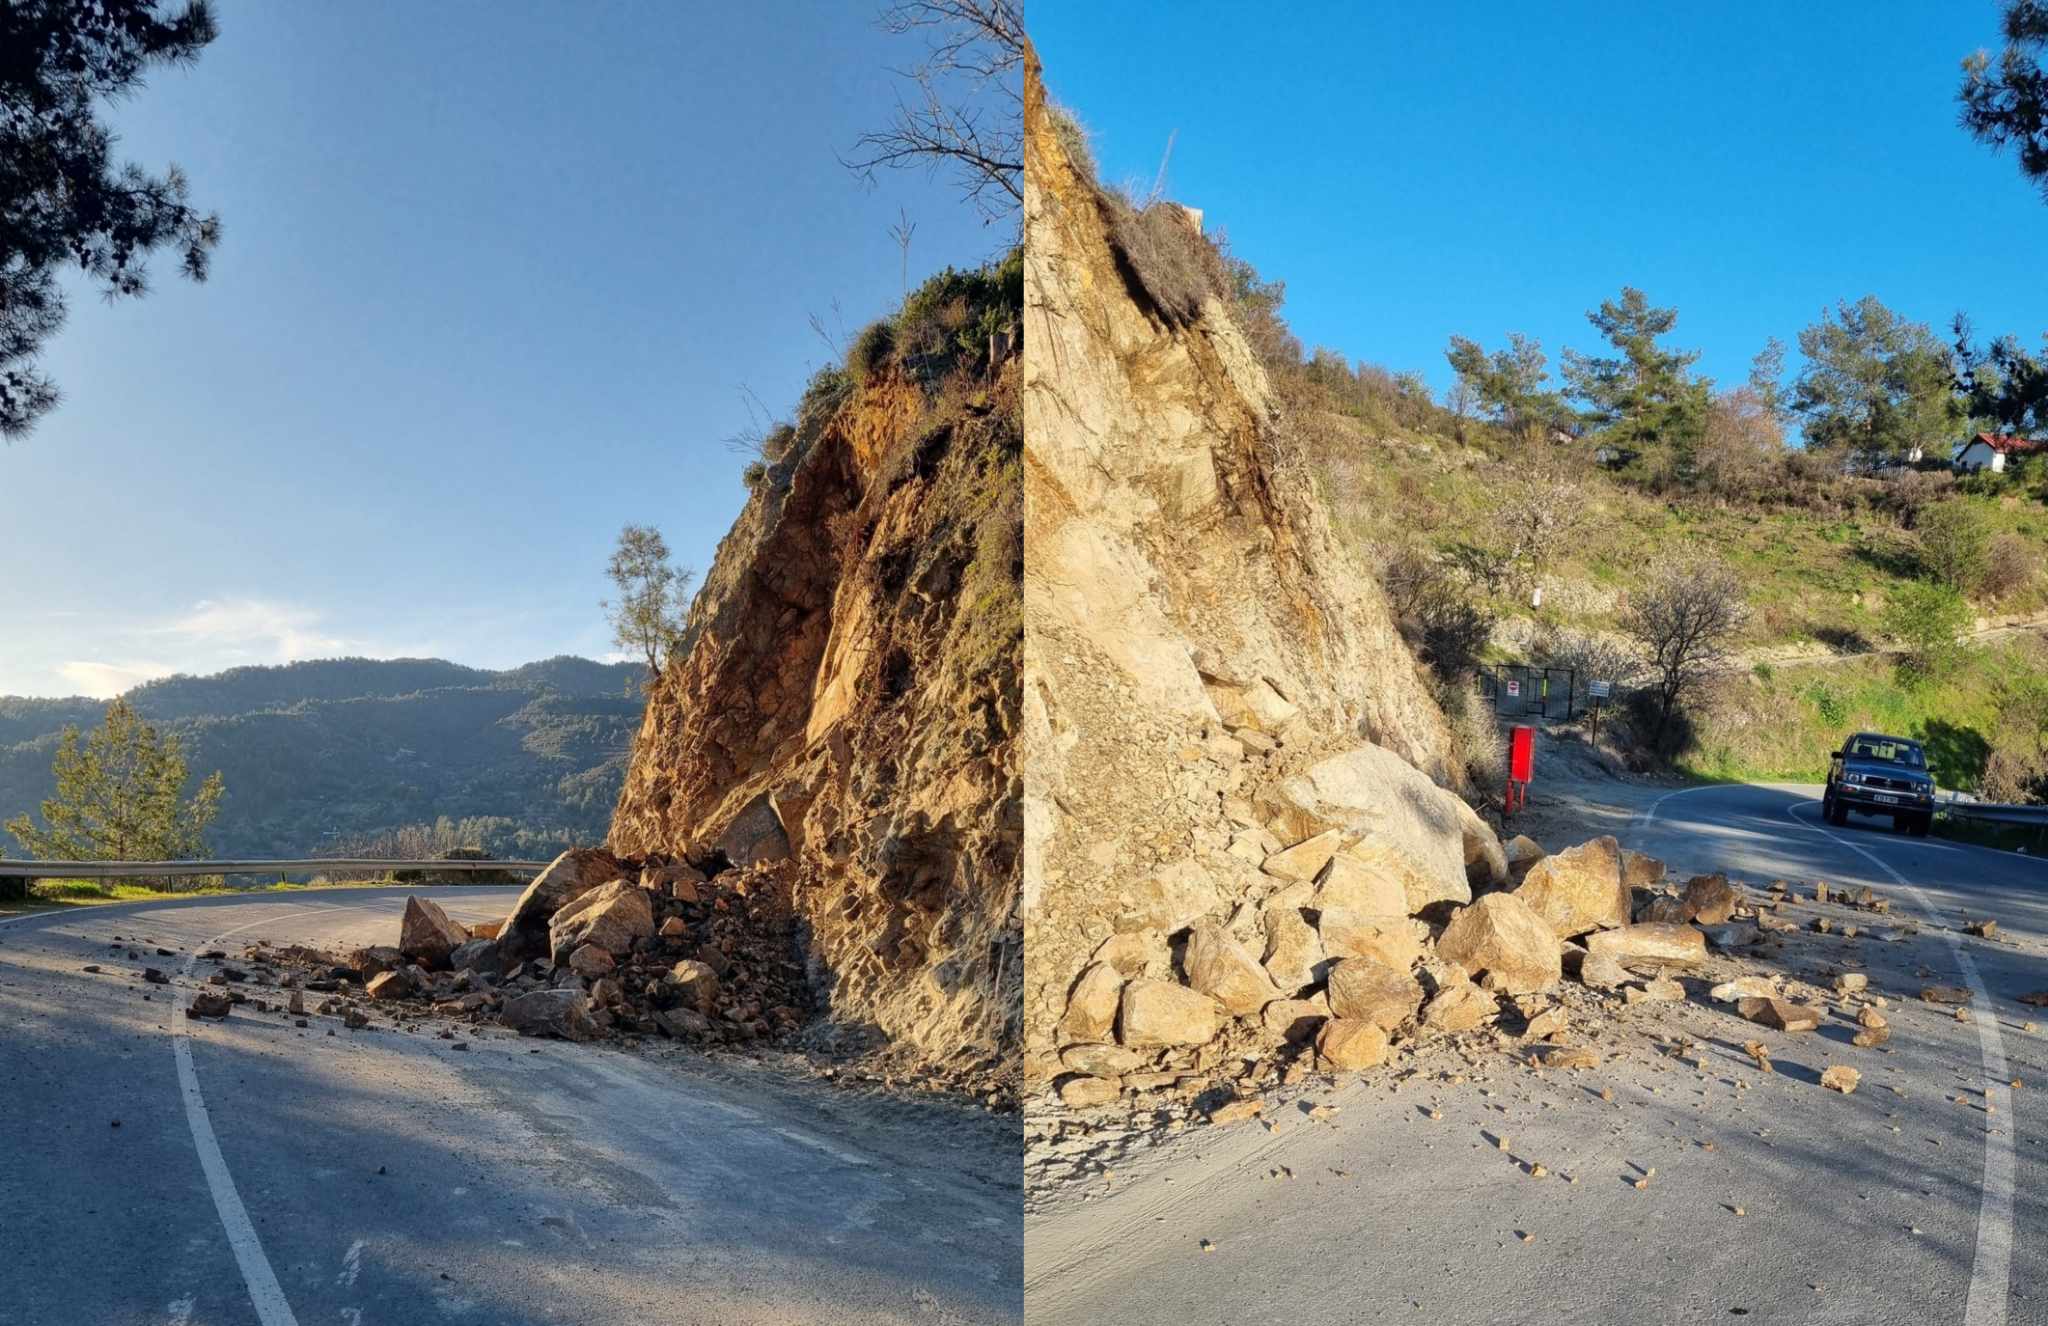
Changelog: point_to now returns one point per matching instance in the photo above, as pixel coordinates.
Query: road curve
(386, 1176)
(1921, 1199)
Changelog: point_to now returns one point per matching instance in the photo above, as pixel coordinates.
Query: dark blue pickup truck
(1879, 775)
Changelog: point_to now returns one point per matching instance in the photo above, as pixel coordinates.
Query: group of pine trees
(1874, 387)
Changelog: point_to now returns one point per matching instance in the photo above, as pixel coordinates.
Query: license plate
(1887, 798)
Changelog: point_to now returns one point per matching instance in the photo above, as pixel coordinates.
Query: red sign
(1522, 754)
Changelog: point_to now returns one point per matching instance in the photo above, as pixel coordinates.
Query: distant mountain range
(359, 755)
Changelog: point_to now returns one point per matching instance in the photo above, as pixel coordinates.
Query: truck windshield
(1892, 752)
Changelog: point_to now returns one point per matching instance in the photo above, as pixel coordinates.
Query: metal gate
(1519, 690)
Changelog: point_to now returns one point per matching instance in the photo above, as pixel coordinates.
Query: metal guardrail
(165, 869)
(1994, 813)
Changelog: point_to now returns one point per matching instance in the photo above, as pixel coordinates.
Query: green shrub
(870, 352)
(1926, 617)
(1955, 543)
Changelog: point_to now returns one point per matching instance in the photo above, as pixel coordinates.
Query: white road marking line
(181, 1309)
(264, 1294)
(351, 1265)
(1991, 1271)
(820, 1144)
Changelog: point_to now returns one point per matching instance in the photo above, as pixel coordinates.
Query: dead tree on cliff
(964, 111)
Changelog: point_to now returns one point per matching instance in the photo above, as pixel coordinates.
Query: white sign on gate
(1514, 686)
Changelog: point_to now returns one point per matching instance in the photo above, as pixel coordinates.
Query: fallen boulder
(1363, 990)
(1091, 1008)
(1578, 889)
(1459, 1007)
(561, 1013)
(1166, 1013)
(610, 916)
(1348, 1043)
(1650, 942)
(1502, 937)
(1782, 1014)
(1710, 899)
(523, 933)
(426, 935)
(1219, 967)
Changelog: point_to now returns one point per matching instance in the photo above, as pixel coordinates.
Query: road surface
(1917, 1200)
(263, 1174)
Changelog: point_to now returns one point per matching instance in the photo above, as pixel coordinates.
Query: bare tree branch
(964, 109)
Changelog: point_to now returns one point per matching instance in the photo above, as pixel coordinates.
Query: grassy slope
(1812, 581)
(1781, 724)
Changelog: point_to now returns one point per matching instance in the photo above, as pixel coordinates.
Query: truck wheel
(1922, 823)
(1832, 809)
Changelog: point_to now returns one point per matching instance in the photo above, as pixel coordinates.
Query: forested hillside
(359, 755)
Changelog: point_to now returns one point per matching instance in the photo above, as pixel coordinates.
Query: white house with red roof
(1990, 451)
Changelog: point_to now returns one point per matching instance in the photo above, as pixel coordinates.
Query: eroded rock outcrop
(1227, 744)
(844, 709)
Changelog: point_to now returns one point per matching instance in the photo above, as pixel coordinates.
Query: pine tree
(64, 202)
(2006, 104)
(120, 797)
(1644, 395)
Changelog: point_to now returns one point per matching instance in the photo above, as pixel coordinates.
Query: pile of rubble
(1342, 956)
(596, 946)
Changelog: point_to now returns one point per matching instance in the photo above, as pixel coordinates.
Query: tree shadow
(1956, 755)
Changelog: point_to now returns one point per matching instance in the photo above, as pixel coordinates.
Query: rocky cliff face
(1194, 636)
(846, 706)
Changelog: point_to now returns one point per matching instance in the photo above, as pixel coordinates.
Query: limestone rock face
(426, 935)
(1163, 1013)
(1182, 583)
(1578, 889)
(1503, 937)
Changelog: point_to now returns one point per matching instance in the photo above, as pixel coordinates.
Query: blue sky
(1415, 171)
(493, 280)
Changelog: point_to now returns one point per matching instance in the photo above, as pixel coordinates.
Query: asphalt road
(1922, 1198)
(265, 1174)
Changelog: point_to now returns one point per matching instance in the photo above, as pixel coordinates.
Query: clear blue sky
(1414, 171)
(492, 282)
